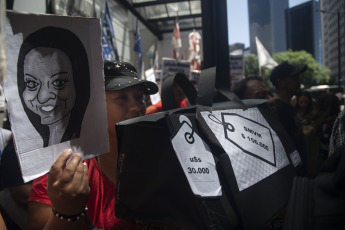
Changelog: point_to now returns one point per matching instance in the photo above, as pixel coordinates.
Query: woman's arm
(41, 217)
(20, 194)
(68, 190)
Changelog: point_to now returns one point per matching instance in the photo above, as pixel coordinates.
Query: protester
(286, 78)
(254, 88)
(14, 192)
(67, 190)
(304, 105)
(327, 108)
(180, 99)
(337, 138)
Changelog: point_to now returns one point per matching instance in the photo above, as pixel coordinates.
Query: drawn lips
(47, 108)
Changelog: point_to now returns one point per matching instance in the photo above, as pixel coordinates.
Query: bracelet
(69, 218)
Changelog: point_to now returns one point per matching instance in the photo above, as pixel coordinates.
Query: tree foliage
(316, 73)
(251, 65)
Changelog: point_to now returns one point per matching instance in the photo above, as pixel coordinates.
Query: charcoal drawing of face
(50, 90)
(54, 83)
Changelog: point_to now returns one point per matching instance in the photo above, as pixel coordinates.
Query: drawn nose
(45, 94)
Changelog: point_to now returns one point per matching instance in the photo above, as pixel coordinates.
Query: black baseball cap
(121, 75)
(284, 70)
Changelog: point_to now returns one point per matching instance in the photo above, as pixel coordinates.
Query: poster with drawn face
(54, 88)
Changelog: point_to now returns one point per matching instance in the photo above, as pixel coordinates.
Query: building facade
(333, 37)
(303, 29)
(267, 22)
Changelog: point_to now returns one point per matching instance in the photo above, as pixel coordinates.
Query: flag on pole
(265, 59)
(108, 36)
(137, 48)
(155, 61)
(152, 54)
(94, 12)
(194, 50)
(176, 40)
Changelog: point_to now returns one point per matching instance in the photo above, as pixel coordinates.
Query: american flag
(137, 48)
(108, 35)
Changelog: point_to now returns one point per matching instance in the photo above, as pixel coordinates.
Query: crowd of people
(309, 121)
(78, 194)
(315, 125)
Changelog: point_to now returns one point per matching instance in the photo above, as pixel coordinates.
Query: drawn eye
(31, 84)
(59, 83)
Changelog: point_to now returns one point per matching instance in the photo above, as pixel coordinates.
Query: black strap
(207, 89)
(211, 219)
(168, 97)
(233, 97)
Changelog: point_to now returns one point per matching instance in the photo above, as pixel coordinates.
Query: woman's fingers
(57, 168)
(83, 178)
(86, 178)
(71, 168)
(77, 183)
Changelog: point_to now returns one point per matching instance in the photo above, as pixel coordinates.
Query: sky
(238, 29)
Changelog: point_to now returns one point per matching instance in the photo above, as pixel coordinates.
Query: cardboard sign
(150, 76)
(236, 67)
(54, 88)
(175, 66)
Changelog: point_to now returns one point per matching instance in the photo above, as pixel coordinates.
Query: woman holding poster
(85, 191)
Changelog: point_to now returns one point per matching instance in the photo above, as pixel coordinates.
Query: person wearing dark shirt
(286, 78)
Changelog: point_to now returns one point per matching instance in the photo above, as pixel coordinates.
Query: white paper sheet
(35, 159)
(196, 160)
(254, 149)
(150, 76)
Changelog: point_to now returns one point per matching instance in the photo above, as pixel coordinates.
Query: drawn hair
(67, 42)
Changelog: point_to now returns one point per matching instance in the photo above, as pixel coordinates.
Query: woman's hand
(68, 185)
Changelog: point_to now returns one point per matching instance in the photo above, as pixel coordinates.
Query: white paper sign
(236, 64)
(175, 66)
(254, 149)
(55, 94)
(250, 136)
(196, 160)
(150, 76)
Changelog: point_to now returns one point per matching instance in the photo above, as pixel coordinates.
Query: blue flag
(109, 49)
(137, 48)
